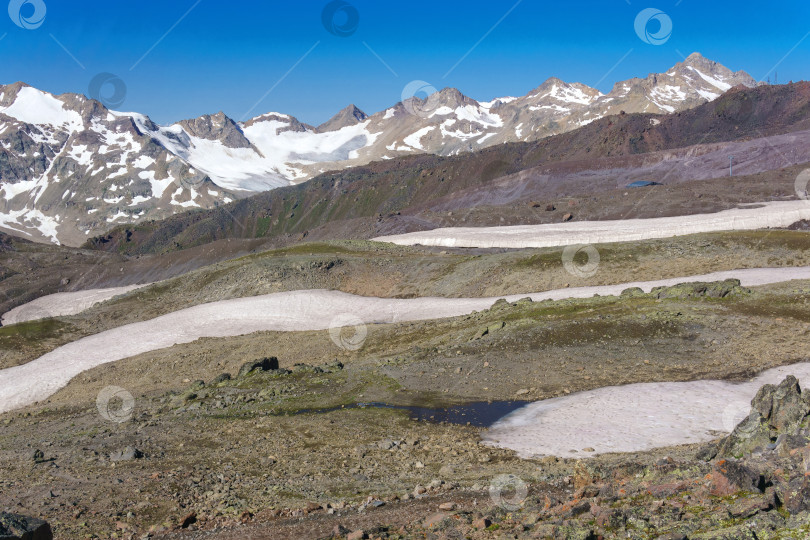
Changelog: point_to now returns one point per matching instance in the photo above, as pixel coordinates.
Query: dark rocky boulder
(127, 454)
(16, 527)
(265, 364)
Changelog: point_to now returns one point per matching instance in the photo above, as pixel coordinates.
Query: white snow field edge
(287, 311)
(770, 215)
(633, 418)
(64, 303)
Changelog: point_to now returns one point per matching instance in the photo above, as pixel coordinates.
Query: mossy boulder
(716, 289)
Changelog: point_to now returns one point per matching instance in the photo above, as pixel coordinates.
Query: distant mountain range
(70, 168)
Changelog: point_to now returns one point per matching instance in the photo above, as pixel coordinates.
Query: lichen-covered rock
(740, 532)
(717, 289)
(775, 411)
(796, 495)
(16, 527)
(730, 477)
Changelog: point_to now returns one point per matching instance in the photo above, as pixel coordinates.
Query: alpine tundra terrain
(276, 365)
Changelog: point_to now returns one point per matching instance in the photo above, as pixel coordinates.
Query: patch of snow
(414, 139)
(723, 86)
(770, 215)
(60, 304)
(632, 418)
(34, 106)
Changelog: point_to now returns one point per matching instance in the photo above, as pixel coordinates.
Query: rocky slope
(70, 168)
(274, 449)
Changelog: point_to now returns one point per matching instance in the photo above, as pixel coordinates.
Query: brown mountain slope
(352, 201)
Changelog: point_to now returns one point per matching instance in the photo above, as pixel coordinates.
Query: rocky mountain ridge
(71, 169)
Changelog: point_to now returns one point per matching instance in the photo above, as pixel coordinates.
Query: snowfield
(288, 311)
(767, 215)
(59, 304)
(633, 418)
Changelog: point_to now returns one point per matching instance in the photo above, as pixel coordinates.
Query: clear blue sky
(227, 57)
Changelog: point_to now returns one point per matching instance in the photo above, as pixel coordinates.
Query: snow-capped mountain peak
(71, 168)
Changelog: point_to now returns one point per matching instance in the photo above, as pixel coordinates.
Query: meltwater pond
(479, 413)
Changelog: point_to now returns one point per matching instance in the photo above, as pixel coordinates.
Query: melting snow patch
(770, 215)
(415, 139)
(711, 80)
(631, 418)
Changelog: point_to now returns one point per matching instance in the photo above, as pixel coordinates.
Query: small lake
(478, 413)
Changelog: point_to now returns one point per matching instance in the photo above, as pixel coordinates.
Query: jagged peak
(348, 116)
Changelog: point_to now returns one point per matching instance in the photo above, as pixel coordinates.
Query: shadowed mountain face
(766, 127)
(71, 169)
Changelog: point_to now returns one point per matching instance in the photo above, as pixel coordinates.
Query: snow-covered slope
(70, 168)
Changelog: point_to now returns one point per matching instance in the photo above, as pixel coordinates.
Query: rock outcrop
(17, 527)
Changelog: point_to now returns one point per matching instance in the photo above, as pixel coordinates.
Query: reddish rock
(666, 490)
(482, 523)
(586, 492)
(730, 477)
(568, 217)
(435, 519)
(187, 521)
